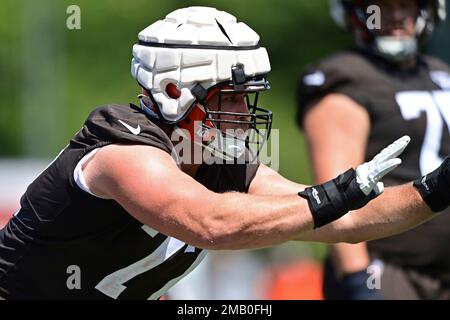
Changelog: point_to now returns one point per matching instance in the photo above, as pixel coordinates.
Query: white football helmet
(192, 54)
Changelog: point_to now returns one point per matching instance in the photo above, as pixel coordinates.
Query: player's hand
(352, 189)
(435, 187)
(369, 174)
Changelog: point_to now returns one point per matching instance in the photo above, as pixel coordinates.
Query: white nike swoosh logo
(315, 79)
(134, 131)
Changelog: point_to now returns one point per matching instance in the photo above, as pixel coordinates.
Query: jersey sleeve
(121, 124)
(439, 72)
(337, 74)
(436, 64)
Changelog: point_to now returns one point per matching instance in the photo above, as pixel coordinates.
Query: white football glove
(369, 174)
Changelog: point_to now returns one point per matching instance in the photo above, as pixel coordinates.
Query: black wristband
(435, 187)
(333, 199)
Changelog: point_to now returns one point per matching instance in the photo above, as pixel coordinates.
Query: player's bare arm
(397, 210)
(338, 126)
(149, 185)
(185, 209)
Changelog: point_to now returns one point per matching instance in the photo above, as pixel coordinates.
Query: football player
(124, 212)
(353, 102)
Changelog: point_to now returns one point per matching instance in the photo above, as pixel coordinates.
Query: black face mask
(239, 131)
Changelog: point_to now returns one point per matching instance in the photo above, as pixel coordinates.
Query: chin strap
(396, 49)
(148, 109)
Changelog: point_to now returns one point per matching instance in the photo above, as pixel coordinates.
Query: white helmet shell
(195, 45)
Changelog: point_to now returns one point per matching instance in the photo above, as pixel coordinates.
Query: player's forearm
(397, 210)
(243, 221)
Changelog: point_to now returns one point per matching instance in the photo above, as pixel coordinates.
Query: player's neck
(408, 64)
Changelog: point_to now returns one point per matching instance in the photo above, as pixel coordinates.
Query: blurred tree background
(52, 77)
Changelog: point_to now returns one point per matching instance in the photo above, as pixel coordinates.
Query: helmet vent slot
(223, 31)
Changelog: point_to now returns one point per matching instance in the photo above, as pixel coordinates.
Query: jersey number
(112, 284)
(436, 105)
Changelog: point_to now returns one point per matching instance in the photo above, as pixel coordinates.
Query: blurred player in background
(355, 101)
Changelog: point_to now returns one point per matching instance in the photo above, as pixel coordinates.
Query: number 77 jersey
(414, 103)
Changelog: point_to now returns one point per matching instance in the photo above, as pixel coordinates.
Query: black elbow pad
(435, 187)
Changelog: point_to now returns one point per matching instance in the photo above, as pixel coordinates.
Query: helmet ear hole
(172, 91)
